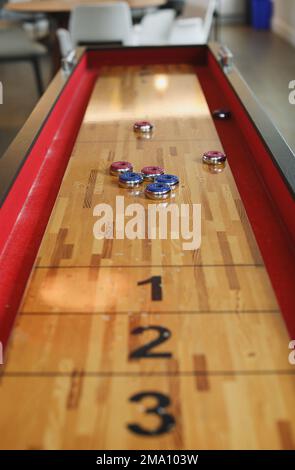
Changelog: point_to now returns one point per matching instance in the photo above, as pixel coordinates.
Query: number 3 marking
(167, 420)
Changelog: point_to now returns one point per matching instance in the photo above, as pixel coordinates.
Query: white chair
(105, 23)
(194, 29)
(154, 28)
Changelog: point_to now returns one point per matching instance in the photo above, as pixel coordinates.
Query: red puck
(143, 126)
(118, 168)
(151, 172)
(214, 157)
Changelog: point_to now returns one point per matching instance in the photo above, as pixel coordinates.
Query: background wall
(284, 19)
(232, 9)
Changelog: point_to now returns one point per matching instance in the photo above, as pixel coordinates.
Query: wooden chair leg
(36, 66)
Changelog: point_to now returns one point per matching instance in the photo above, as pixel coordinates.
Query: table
(109, 328)
(63, 6)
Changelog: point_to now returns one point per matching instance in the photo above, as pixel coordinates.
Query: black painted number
(156, 282)
(167, 421)
(145, 351)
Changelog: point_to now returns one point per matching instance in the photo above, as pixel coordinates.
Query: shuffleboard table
(114, 343)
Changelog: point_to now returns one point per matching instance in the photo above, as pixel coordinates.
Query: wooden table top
(65, 6)
(77, 376)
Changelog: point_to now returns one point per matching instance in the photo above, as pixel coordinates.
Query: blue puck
(130, 179)
(158, 191)
(170, 180)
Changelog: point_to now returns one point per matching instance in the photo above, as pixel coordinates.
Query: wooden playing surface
(76, 373)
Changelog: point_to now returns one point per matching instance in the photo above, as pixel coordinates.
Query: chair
(35, 25)
(177, 5)
(101, 24)
(194, 26)
(154, 28)
(65, 42)
(16, 46)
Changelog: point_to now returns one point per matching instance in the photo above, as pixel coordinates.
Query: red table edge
(27, 207)
(269, 204)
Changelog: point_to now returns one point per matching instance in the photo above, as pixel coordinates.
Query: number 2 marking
(145, 351)
(156, 282)
(167, 420)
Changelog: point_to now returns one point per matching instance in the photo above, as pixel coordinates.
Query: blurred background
(36, 34)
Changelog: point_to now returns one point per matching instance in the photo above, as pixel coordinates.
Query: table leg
(60, 20)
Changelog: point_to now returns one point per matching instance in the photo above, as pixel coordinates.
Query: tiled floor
(266, 62)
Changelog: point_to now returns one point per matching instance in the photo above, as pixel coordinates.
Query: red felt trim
(26, 210)
(268, 203)
(147, 56)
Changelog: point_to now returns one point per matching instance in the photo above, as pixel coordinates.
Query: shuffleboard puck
(214, 157)
(120, 167)
(158, 191)
(130, 180)
(170, 180)
(143, 127)
(151, 172)
(222, 114)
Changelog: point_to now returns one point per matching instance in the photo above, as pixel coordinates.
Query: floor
(267, 64)
(20, 96)
(265, 61)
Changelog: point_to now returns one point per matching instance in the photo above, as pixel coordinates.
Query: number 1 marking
(156, 282)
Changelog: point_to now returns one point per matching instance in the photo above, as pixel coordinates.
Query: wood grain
(68, 376)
